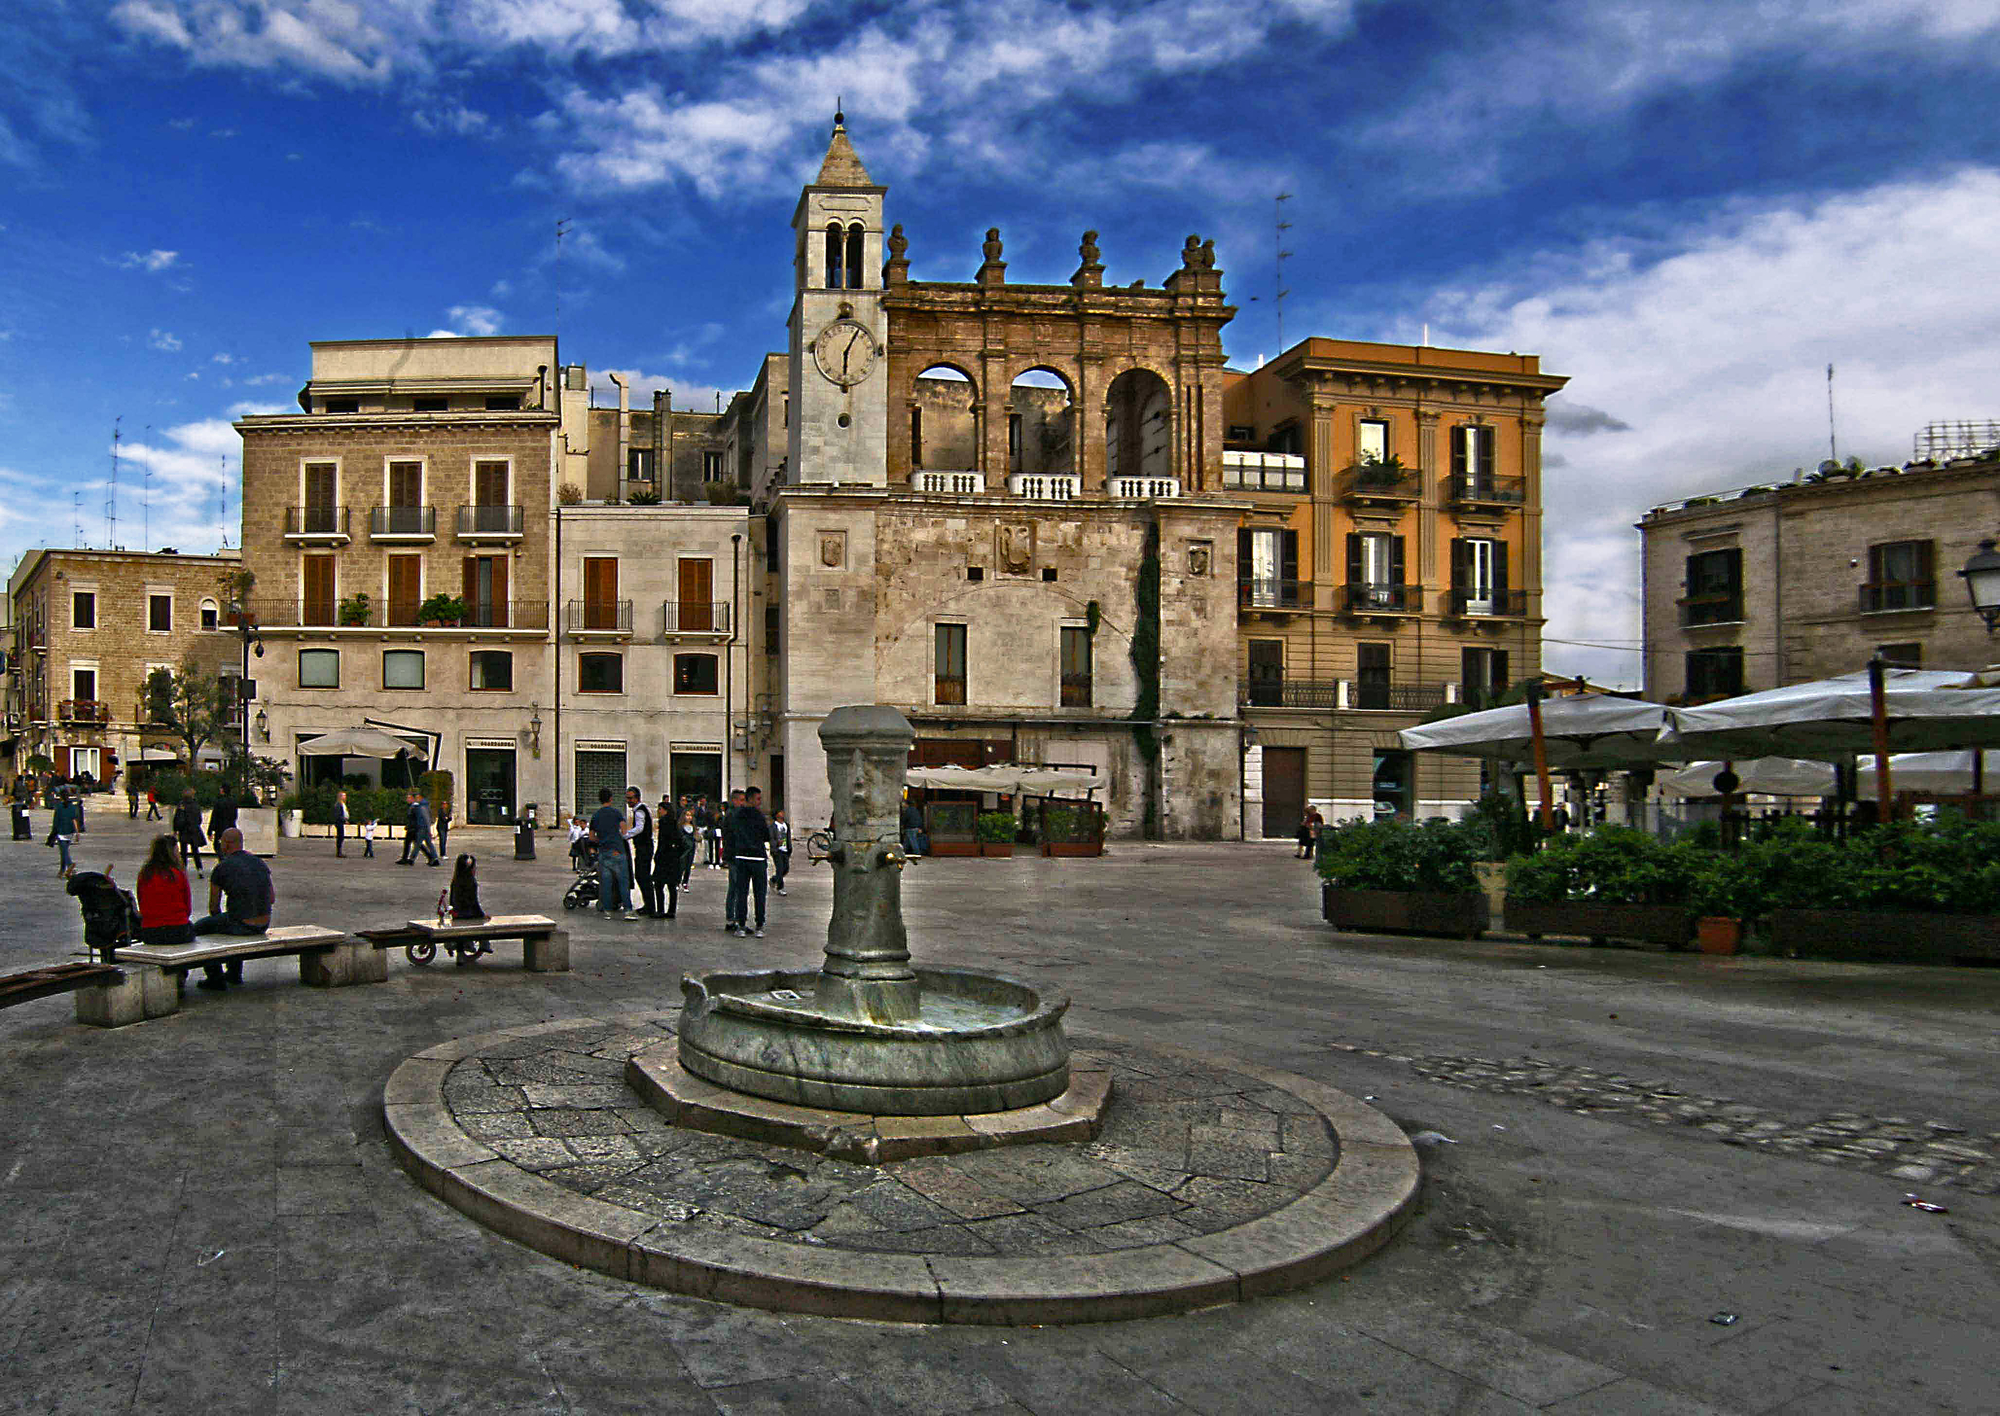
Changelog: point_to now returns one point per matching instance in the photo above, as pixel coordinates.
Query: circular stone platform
(1210, 1181)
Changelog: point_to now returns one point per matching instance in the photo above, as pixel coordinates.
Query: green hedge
(997, 827)
(388, 805)
(1398, 855)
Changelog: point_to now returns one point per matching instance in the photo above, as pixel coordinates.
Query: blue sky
(1689, 209)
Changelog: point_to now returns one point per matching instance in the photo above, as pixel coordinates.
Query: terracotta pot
(1718, 934)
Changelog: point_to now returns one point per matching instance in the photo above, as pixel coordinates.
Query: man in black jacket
(222, 816)
(417, 831)
(748, 840)
(639, 835)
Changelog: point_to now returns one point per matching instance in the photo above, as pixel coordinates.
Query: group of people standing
(635, 847)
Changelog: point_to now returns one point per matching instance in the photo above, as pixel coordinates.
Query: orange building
(1389, 564)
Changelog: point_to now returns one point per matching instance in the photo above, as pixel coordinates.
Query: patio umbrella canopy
(1831, 719)
(1008, 780)
(1589, 730)
(359, 742)
(1941, 772)
(1765, 776)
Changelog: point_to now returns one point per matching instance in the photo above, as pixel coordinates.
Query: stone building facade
(89, 627)
(1388, 564)
(1795, 581)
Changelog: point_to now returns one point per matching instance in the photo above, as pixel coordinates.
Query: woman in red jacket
(164, 916)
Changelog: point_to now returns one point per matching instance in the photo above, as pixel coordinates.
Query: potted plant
(1611, 883)
(996, 833)
(647, 498)
(354, 610)
(569, 494)
(1907, 891)
(1721, 896)
(441, 612)
(952, 828)
(1072, 829)
(1379, 471)
(1399, 876)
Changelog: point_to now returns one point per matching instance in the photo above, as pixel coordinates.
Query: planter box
(1413, 912)
(953, 848)
(1670, 925)
(1718, 934)
(996, 848)
(1072, 848)
(1865, 934)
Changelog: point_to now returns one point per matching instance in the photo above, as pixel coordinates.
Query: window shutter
(1925, 560)
(1460, 555)
(1354, 572)
(1487, 439)
(1458, 437)
(1500, 680)
(1288, 565)
(1500, 571)
(1733, 561)
(500, 597)
(469, 583)
(1395, 560)
(1244, 559)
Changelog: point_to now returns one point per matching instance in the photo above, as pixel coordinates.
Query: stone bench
(51, 979)
(155, 974)
(544, 945)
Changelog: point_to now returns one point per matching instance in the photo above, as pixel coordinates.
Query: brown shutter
(317, 578)
(469, 582)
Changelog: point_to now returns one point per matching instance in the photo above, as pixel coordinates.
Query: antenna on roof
(76, 518)
(222, 500)
(146, 496)
(111, 492)
(1832, 448)
(1279, 292)
(562, 229)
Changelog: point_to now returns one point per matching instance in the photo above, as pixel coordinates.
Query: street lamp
(535, 729)
(263, 726)
(1982, 582)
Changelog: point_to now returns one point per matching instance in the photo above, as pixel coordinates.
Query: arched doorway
(1041, 420)
(944, 431)
(1138, 431)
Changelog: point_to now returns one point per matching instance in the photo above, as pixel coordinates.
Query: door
(697, 594)
(595, 770)
(1284, 791)
(697, 774)
(406, 588)
(485, 592)
(318, 514)
(1267, 673)
(1395, 777)
(406, 497)
(1479, 577)
(489, 786)
(1371, 675)
(491, 512)
(600, 592)
(316, 586)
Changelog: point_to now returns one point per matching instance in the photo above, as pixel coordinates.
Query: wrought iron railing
(315, 520)
(402, 521)
(1711, 609)
(1381, 597)
(598, 617)
(1269, 593)
(1495, 604)
(1485, 491)
(489, 520)
(694, 617)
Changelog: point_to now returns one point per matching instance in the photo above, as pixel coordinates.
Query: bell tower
(840, 413)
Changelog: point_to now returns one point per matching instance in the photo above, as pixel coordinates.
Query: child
(781, 849)
(368, 837)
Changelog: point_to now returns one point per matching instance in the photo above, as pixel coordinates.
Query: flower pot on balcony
(1718, 934)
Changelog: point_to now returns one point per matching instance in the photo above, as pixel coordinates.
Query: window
(211, 615)
(1482, 676)
(494, 669)
(1371, 675)
(1714, 673)
(83, 609)
(1371, 440)
(320, 668)
(1375, 572)
(855, 258)
(1479, 576)
(341, 405)
(83, 685)
(1901, 576)
(696, 608)
(1075, 667)
(1472, 458)
(639, 464)
(711, 466)
(1714, 588)
(489, 488)
(950, 663)
(316, 582)
(916, 437)
(600, 592)
(836, 252)
(696, 673)
(1266, 678)
(402, 668)
(1395, 771)
(159, 614)
(1267, 566)
(1014, 442)
(1901, 656)
(503, 403)
(430, 405)
(600, 673)
(483, 587)
(406, 588)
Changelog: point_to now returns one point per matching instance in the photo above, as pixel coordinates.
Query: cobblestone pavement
(1186, 1150)
(200, 1214)
(1929, 1152)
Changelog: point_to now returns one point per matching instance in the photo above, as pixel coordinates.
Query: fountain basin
(981, 1043)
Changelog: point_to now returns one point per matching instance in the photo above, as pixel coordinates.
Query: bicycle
(820, 844)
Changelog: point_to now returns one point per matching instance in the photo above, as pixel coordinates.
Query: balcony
(1489, 493)
(697, 618)
(1263, 471)
(402, 523)
(1373, 597)
(1887, 597)
(1700, 610)
(1488, 604)
(1370, 694)
(490, 523)
(1041, 486)
(1379, 484)
(316, 524)
(598, 619)
(957, 484)
(1264, 593)
(1375, 695)
(1145, 488)
(83, 710)
(402, 614)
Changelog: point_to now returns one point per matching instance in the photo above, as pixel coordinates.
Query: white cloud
(687, 394)
(268, 379)
(470, 319)
(163, 341)
(1712, 356)
(150, 261)
(453, 118)
(330, 38)
(225, 359)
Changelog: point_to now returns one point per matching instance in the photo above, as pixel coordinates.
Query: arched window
(834, 245)
(1138, 430)
(1039, 420)
(855, 258)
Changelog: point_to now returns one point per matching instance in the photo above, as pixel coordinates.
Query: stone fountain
(868, 1033)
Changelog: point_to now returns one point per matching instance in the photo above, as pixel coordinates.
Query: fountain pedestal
(868, 1033)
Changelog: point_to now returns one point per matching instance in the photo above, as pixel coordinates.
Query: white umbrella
(1830, 719)
(359, 742)
(1007, 779)
(1941, 772)
(1769, 776)
(1588, 730)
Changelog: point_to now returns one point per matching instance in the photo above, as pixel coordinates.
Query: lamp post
(1982, 582)
(246, 629)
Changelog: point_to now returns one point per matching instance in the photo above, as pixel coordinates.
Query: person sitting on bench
(465, 904)
(240, 898)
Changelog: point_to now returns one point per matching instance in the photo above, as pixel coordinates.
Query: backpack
(110, 915)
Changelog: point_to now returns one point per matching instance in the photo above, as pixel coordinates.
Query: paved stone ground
(200, 1214)
(1186, 1150)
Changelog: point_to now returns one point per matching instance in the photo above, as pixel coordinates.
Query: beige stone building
(1793, 581)
(1388, 564)
(88, 628)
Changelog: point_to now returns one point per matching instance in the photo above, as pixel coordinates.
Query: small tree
(190, 702)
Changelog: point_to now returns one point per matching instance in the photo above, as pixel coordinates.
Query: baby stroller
(582, 890)
(110, 915)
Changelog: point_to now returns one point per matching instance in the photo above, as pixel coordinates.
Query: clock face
(845, 352)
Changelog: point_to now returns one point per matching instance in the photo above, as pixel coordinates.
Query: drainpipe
(624, 429)
(555, 663)
(729, 659)
(662, 465)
